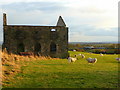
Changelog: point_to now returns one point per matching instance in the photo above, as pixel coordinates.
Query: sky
(88, 20)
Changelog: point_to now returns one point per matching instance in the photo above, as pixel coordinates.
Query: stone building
(43, 40)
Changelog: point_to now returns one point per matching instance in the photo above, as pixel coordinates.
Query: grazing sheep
(91, 60)
(101, 54)
(74, 50)
(79, 54)
(83, 56)
(118, 59)
(71, 59)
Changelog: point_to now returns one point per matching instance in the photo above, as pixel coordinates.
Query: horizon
(91, 41)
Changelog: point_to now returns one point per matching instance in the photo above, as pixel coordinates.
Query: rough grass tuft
(11, 63)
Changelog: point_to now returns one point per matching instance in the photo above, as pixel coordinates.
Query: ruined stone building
(43, 40)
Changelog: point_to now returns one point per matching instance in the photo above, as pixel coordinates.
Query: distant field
(61, 74)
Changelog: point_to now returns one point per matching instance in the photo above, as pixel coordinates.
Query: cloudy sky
(88, 20)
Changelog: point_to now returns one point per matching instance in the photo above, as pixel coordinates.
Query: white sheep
(79, 54)
(91, 60)
(101, 54)
(118, 59)
(74, 50)
(83, 56)
(71, 59)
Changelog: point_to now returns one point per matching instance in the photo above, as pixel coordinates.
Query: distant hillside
(93, 42)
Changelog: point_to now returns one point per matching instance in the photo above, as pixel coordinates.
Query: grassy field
(58, 73)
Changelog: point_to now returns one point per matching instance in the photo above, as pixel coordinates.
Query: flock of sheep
(90, 60)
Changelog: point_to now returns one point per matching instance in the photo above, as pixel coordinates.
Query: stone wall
(31, 37)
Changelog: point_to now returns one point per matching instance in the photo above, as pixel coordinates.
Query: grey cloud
(31, 6)
(103, 32)
(88, 30)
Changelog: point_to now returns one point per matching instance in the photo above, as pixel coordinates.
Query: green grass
(61, 74)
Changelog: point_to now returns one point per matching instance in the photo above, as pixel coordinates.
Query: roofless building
(40, 40)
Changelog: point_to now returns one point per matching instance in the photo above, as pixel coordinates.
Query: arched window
(37, 47)
(53, 34)
(53, 47)
(53, 30)
(20, 48)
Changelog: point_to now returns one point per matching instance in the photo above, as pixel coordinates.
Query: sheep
(79, 54)
(83, 56)
(101, 54)
(91, 60)
(71, 59)
(118, 59)
(74, 50)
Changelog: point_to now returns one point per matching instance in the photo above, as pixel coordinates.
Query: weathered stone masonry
(45, 40)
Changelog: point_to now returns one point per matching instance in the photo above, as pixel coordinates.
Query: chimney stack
(4, 19)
